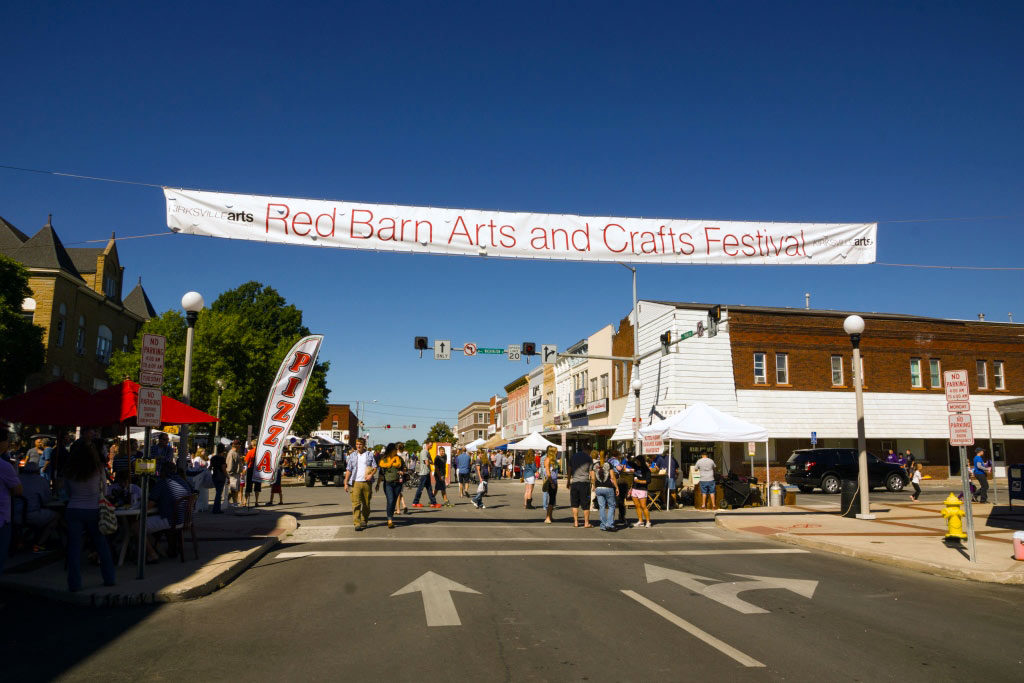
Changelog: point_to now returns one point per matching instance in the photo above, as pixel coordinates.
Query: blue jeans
(79, 522)
(606, 505)
(218, 488)
(391, 492)
(424, 482)
(478, 499)
(5, 544)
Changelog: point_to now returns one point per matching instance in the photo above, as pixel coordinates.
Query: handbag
(108, 520)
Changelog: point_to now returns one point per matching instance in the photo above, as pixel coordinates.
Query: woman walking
(440, 470)
(550, 487)
(602, 478)
(84, 474)
(529, 477)
(641, 477)
(915, 481)
(393, 469)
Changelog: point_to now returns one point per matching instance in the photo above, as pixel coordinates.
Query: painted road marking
(727, 593)
(313, 534)
(553, 552)
(437, 598)
(721, 646)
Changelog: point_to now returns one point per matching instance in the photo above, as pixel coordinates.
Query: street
(515, 599)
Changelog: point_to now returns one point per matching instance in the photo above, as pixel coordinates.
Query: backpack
(602, 475)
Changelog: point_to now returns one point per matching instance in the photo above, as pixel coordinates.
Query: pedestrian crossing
(503, 534)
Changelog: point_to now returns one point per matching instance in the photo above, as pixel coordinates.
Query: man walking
(981, 471)
(234, 471)
(423, 469)
(361, 468)
(580, 465)
(483, 474)
(621, 466)
(462, 470)
(706, 467)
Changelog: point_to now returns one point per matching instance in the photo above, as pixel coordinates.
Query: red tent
(56, 403)
(119, 404)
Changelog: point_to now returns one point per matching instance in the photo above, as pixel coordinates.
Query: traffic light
(666, 341)
(387, 426)
(529, 349)
(420, 344)
(714, 316)
(414, 426)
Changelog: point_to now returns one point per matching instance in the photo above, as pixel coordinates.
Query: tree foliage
(241, 339)
(412, 446)
(441, 433)
(21, 342)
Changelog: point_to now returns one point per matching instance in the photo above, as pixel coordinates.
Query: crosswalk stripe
(547, 552)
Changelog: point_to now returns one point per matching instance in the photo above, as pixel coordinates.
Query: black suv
(825, 468)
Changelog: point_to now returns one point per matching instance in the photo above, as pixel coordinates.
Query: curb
(965, 573)
(286, 524)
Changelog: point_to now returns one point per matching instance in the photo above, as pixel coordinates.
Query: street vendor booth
(701, 423)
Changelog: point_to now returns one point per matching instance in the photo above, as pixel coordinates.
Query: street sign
(149, 407)
(151, 361)
(653, 444)
(957, 387)
(513, 352)
(469, 349)
(686, 335)
(961, 433)
(442, 349)
(959, 407)
(700, 328)
(814, 438)
(548, 353)
(489, 350)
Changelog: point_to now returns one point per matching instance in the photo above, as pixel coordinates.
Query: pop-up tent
(475, 444)
(534, 442)
(701, 422)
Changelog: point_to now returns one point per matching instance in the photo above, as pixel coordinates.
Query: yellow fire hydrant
(954, 512)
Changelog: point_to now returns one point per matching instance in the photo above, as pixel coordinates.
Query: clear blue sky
(803, 111)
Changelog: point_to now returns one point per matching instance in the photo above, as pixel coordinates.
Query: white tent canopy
(140, 432)
(475, 444)
(323, 438)
(701, 422)
(534, 442)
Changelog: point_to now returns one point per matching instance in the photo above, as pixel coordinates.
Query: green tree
(441, 433)
(242, 339)
(413, 446)
(21, 342)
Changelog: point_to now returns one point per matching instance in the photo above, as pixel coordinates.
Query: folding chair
(183, 508)
(656, 492)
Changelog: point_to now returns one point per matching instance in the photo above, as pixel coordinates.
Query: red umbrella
(119, 404)
(56, 403)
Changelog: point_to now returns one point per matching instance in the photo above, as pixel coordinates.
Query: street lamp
(192, 302)
(854, 326)
(636, 385)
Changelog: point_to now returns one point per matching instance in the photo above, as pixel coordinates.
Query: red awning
(119, 404)
(58, 403)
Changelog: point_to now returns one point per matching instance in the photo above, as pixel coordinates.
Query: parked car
(825, 468)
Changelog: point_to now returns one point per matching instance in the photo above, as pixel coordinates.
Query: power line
(921, 265)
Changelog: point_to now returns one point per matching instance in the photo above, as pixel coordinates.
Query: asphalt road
(547, 602)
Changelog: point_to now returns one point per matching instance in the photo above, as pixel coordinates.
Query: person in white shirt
(358, 479)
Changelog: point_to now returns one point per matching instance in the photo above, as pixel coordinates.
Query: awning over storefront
(494, 442)
(1011, 411)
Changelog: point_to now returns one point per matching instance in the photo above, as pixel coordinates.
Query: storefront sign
(598, 406)
(429, 230)
(578, 419)
(579, 397)
(653, 444)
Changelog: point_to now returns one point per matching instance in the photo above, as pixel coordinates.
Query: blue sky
(802, 111)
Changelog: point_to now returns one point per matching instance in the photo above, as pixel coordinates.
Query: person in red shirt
(250, 485)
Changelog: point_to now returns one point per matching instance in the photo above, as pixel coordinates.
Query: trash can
(849, 499)
(1018, 545)
(775, 495)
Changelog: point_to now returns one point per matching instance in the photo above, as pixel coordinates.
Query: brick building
(473, 422)
(789, 370)
(342, 423)
(76, 299)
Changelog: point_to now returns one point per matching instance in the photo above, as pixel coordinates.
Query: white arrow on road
(728, 593)
(437, 598)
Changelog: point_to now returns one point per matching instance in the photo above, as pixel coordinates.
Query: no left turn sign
(469, 349)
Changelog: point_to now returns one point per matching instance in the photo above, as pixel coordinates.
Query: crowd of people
(593, 478)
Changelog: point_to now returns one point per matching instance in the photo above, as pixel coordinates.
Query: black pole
(142, 511)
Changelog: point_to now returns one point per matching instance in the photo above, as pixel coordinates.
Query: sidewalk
(907, 535)
(228, 545)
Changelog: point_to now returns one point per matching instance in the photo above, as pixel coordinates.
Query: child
(915, 481)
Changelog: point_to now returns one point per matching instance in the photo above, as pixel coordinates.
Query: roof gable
(10, 237)
(45, 250)
(138, 303)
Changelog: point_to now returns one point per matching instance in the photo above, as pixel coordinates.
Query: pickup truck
(327, 464)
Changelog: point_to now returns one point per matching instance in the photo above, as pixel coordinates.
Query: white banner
(282, 403)
(470, 232)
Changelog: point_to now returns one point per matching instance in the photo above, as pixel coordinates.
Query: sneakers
(481, 506)
(417, 505)
(648, 525)
(435, 505)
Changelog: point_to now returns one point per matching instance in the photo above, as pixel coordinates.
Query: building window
(334, 422)
(982, 374)
(481, 418)
(837, 371)
(759, 374)
(110, 285)
(99, 384)
(997, 373)
(935, 373)
(62, 324)
(56, 371)
(104, 344)
(782, 368)
(124, 344)
(80, 337)
(617, 389)
(28, 309)
(915, 373)
(604, 385)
